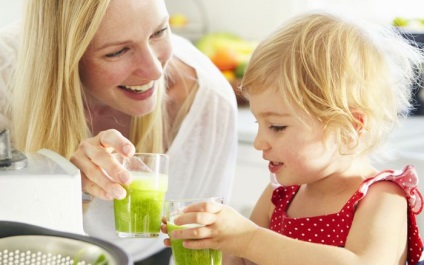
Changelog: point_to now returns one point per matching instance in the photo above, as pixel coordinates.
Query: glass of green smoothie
(182, 255)
(139, 214)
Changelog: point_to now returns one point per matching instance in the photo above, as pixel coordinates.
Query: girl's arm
(377, 236)
(260, 216)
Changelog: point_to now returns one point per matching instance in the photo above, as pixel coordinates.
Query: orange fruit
(225, 58)
(229, 75)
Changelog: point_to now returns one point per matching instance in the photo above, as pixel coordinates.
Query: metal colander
(51, 250)
(27, 244)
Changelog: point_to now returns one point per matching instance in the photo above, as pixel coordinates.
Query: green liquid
(185, 256)
(141, 211)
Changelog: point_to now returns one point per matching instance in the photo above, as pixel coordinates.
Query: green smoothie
(185, 256)
(140, 213)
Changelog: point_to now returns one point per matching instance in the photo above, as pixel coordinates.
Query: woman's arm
(203, 152)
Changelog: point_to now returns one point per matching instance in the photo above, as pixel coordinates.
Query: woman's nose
(147, 65)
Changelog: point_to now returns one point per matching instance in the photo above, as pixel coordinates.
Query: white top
(202, 156)
(8, 52)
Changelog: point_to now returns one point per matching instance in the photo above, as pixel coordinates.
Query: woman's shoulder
(9, 44)
(211, 80)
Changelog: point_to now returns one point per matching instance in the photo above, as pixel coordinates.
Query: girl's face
(127, 56)
(297, 154)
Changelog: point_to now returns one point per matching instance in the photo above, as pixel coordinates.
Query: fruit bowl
(230, 53)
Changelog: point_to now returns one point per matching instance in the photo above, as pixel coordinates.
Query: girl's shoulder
(406, 179)
(407, 183)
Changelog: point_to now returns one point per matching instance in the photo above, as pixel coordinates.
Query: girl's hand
(164, 230)
(101, 175)
(225, 229)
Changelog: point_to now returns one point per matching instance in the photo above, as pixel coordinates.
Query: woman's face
(127, 56)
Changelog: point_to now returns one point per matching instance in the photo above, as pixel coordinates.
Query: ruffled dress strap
(408, 181)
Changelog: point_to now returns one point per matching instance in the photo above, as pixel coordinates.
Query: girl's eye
(116, 54)
(277, 128)
(159, 33)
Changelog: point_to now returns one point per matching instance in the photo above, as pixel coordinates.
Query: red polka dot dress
(333, 229)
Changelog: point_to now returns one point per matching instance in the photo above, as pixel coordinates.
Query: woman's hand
(101, 175)
(225, 229)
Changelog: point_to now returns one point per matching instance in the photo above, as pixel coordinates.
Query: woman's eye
(159, 33)
(116, 54)
(277, 128)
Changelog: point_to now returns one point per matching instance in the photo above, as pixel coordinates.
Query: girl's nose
(147, 65)
(260, 143)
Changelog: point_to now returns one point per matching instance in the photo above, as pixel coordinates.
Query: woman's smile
(139, 88)
(142, 92)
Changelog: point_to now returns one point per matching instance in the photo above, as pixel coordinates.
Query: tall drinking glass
(182, 255)
(139, 213)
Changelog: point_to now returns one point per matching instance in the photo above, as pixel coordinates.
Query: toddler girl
(325, 92)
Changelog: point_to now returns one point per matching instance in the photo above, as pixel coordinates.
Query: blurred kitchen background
(254, 19)
(228, 30)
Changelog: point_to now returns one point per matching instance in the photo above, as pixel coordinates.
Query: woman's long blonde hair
(48, 99)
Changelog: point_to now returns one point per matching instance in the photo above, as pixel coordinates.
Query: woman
(96, 77)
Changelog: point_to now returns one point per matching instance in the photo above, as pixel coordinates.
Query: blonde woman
(99, 76)
(326, 92)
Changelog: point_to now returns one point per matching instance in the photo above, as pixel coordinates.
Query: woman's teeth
(141, 88)
(276, 163)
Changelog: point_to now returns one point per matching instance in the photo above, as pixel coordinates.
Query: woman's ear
(360, 121)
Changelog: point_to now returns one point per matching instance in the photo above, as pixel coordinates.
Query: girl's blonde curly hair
(331, 67)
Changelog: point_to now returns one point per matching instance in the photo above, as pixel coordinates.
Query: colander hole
(19, 257)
